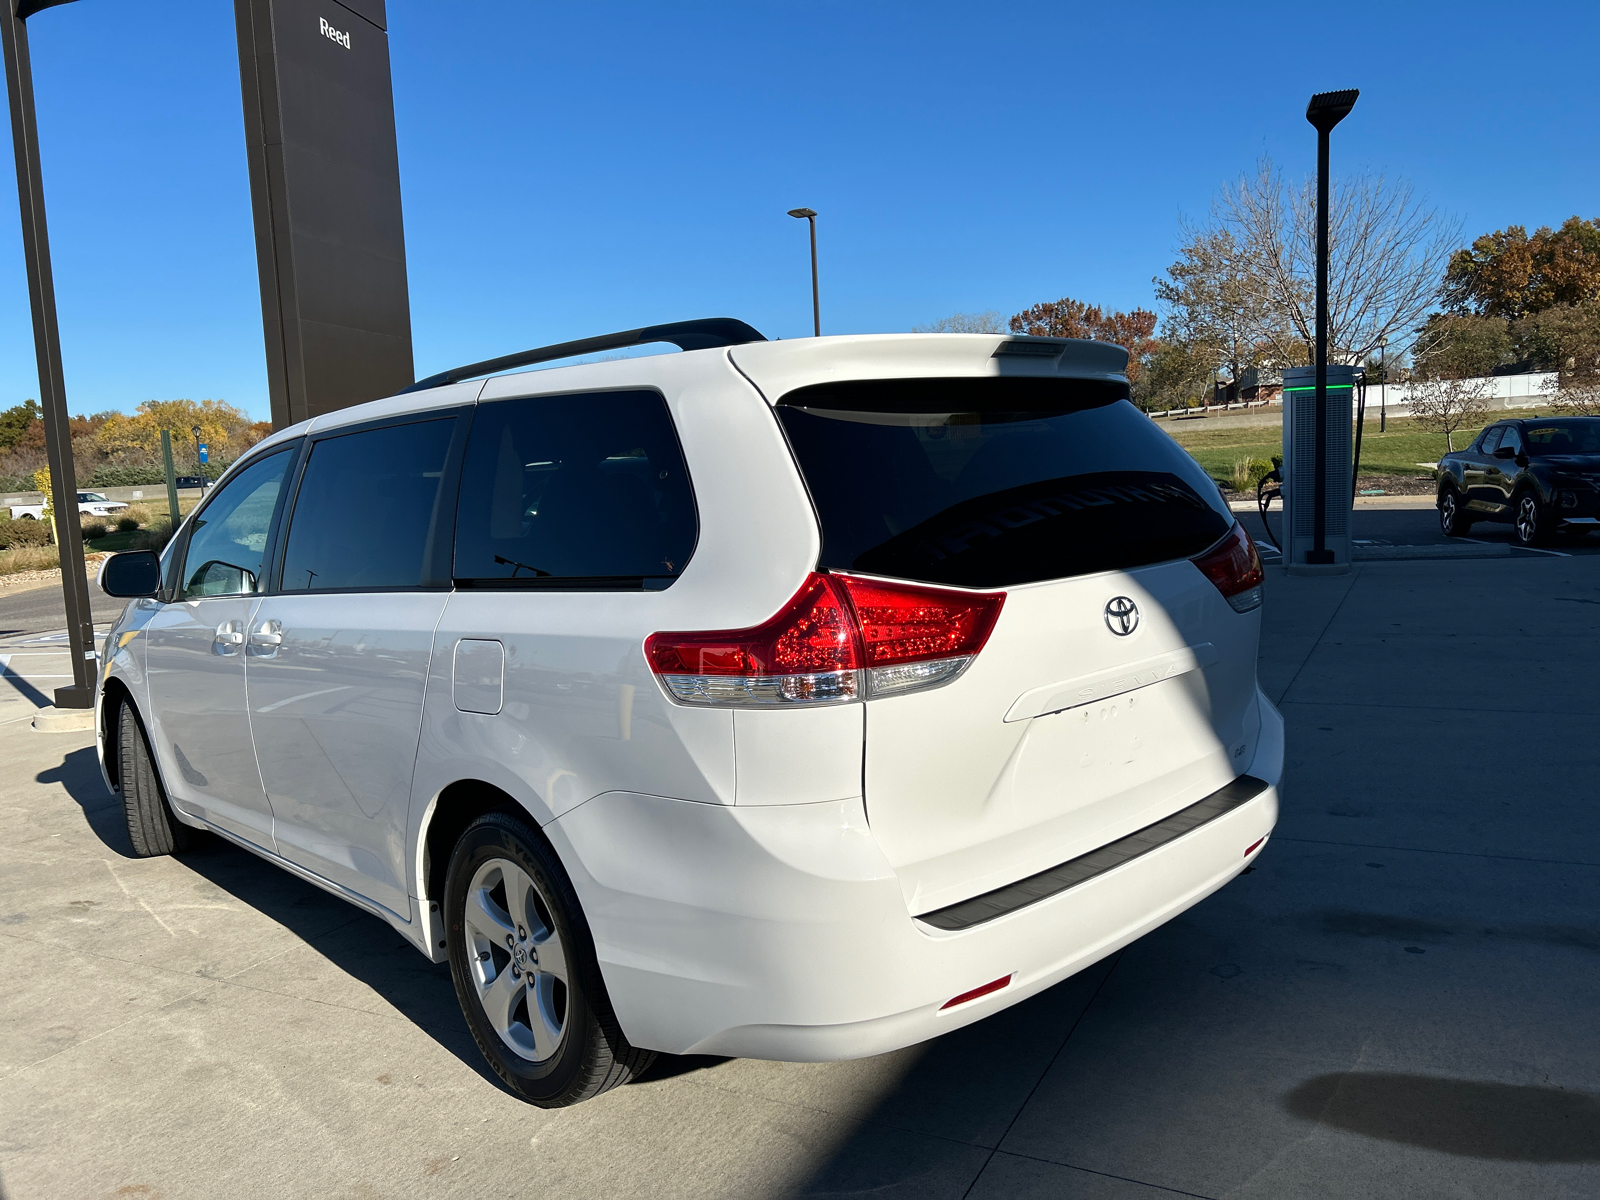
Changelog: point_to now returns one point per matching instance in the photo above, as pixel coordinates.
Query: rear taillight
(839, 638)
(1235, 567)
(916, 637)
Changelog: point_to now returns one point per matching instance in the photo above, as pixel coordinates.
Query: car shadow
(361, 945)
(1466, 1117)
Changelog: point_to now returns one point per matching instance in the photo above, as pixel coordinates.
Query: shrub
(92, 527)
(127, 523)
(139, 514)
(1247, 472)
(28, 558)
(154, 536)
(23, 533)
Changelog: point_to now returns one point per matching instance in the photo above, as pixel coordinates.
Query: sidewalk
(1399, 1001)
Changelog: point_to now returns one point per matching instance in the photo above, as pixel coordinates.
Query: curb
(63, 720)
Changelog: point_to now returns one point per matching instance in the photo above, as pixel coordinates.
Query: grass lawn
(1396, 452)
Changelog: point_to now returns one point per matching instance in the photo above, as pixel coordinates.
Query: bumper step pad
(965, 914)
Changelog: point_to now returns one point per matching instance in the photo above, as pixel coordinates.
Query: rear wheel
(525, 970)
(1453, 519)
(152, 827)
(1533, 525)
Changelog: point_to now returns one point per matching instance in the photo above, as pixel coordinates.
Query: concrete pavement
(1398, 1001)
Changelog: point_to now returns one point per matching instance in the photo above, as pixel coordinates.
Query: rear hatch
(1118, 684)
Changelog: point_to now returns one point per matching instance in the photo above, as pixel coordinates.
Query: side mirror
(131, 574)
(1505, 452)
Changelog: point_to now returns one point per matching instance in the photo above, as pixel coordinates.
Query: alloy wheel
(1447, 514)
(516, 960)
(1527, 520)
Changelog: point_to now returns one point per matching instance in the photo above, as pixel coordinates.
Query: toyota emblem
(1122, 616)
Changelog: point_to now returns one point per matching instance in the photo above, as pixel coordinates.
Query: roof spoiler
(705, 334)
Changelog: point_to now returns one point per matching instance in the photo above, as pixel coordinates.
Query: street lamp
(1325, 110)
(810, 215)
(1383, 384)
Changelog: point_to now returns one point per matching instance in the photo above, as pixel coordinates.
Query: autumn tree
(964, 322)
(16, 421)
(136, 440)
(1215, 307)
(1459, 345)
(1068, 318)
(1510, 274)
(1565, 340)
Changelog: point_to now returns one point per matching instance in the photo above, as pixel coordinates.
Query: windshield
(995, 482)
(1576, 435)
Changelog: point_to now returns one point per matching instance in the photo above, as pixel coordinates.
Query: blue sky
(574, 169)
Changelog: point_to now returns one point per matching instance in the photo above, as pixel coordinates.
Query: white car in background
(796, 700)
(90, 504)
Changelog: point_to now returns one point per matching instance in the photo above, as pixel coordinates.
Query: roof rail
(704, 334)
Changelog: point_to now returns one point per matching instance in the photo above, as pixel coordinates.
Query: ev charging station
(1300, 498)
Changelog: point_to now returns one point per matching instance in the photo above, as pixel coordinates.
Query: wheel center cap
(519, 955)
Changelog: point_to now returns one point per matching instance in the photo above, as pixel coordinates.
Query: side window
(1491, 439)
(365, 511)
(228, 540)
(1512, 439)
(589, 487)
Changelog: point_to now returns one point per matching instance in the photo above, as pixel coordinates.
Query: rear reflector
(1235, 567)
(1251, 848)
(976, 992)
(840, 638)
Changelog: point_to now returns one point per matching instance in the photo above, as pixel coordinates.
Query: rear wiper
(511, 562)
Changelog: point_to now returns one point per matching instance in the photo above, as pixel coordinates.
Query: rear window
(586, 490)
(995, 482)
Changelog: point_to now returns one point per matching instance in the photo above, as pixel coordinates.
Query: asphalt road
(38, 608)
(1386, 531)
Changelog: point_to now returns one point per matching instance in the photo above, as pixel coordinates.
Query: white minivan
(797, 700)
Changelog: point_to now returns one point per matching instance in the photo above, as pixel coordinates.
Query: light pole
(47, 349)
(1325, 110)
(197, 464)
(1383, 385)
(810, 215)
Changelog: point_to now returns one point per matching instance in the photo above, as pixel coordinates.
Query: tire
(521, 950)
(152, 827)
(1453, 519)
(1531, 523)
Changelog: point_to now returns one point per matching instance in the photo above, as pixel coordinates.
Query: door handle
(264, 642)
(228, 638)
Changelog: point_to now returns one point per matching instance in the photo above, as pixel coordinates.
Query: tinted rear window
(587, 490)
(995, 482)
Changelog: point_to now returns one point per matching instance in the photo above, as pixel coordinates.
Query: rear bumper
(781, 931)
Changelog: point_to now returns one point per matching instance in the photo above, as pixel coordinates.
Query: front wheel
(1453, 519)
(525, 970)
(1532, 525)
(152, 827)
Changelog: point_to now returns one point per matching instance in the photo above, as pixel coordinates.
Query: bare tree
(1444, 405)
(1248, 275)
(979, 322)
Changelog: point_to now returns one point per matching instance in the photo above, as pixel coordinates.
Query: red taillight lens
(809, 651)
(839, 638)
(1235, 567)
(916, 636)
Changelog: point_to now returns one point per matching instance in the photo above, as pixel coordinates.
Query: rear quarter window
(586, 490)
(995, 482)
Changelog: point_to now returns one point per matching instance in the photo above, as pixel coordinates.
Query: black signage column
(325, 189)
